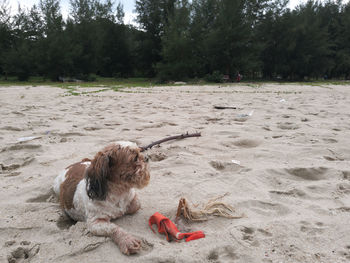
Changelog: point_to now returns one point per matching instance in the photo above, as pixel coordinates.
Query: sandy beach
(282, 158)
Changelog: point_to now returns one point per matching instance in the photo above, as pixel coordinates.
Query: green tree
(276, 34)
(53, 45)
(176, 42)
(296, 43)
(152, 16)
(230, 46)
(5, 34)
(203, 20)
(81, 31)
(20, 60)
(113, 49)
(339, 31)
(82, 10)
(311, 53)
(95, 32)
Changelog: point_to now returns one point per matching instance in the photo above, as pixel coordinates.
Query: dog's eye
(136, 157)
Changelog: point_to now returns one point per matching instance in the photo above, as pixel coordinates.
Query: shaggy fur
(75, 173)
(102, 189)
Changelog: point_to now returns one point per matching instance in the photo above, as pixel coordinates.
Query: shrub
(215, 77)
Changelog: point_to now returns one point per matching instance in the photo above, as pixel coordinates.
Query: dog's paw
(127, 243)
(131, 245)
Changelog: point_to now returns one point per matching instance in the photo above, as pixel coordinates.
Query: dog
(99, 190)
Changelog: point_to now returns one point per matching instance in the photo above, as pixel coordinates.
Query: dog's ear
(97, 177)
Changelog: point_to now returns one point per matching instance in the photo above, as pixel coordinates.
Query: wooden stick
(224, 107)
(176, 137)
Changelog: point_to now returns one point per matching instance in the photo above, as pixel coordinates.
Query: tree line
(177, 40)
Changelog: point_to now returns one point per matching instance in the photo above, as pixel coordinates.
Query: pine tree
(204, 18)
(176, 45)
(152, 16)
(19, 60)
(230, 42)
(53, 45)
(5, 34)
(342, 47)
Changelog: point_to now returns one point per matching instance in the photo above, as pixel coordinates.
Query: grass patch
(255, 85)
(73, 91)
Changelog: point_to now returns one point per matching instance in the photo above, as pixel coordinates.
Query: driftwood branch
(176, 137)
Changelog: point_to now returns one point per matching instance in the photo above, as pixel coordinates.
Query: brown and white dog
(102, 189)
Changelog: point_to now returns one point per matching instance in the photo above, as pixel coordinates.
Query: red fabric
(169, 229)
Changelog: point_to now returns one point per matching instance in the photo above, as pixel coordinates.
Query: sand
(282, 157)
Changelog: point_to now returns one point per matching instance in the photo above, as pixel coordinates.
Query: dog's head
(120, 166)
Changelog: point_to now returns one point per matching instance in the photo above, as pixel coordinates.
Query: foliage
(176, 45)
(152, 16)
(215, 77)
(177, 40)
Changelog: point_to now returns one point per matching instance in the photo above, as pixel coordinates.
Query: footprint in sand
(330, 140)
(265, 208)
(246, 143)
(312, 174)
(345, 253)
(93, 128)
(335, 156)
(146, 247)
(293, 193)
(223, 254)
(266, 128)
(43, 198)
(346, 175)
(16, 156)
(224, 166)
(288, 126)
(342, 209)
(329, 158)
(343, 188)
(213, 120)
(111, 124)
(10, 243)
(310, 229)
(229, 133)
(65, 222)
(301, 173)
(8, 168)
(18, 113)
(250, 235)
(287, 116)
(23, 253)
(157, 157)
(21, 146)
(11, 128)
